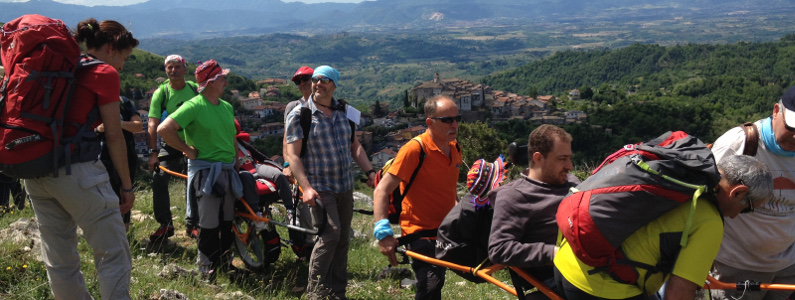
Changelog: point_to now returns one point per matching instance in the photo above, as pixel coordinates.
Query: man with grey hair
(165, 100)
(745, 184)
(760, 246)
(431, 195)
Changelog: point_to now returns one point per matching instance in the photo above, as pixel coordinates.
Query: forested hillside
(151, 67)
(641, 91)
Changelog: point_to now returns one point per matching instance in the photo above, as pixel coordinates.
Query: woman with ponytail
(85, 198)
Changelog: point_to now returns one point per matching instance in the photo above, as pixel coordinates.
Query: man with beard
(324, 174)
(524, 230)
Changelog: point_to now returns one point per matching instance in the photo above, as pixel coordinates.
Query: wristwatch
(153, 151)
(371, 171)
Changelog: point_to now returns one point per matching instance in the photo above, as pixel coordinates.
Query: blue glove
(382, 229)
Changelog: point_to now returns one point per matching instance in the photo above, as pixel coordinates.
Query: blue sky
(128, 2)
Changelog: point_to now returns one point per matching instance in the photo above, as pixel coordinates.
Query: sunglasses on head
(323, 80)
(448, 120)
(302, 79)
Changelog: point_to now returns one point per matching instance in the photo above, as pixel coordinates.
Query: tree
(377, 110)
(478, 140)
(533, 93)
(586, 92)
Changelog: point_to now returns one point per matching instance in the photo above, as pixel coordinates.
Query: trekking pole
(747, 285)
(484, 273)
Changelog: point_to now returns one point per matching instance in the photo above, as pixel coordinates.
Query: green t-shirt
(208, 128)
(175, 100)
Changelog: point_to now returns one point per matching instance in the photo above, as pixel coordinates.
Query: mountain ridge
(185, 19)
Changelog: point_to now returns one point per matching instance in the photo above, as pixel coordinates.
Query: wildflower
(8, 268)
(24, 266)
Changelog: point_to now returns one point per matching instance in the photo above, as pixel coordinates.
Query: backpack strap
(306, 124)
(84, 130)
(751, 138)
(344, 106)
(416, 170)
(165, 86)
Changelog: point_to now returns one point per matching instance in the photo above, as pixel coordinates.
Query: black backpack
(306, 123)
(463, 237)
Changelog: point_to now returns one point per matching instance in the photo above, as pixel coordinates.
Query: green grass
(23, 277)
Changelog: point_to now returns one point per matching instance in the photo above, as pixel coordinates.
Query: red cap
(303, 71)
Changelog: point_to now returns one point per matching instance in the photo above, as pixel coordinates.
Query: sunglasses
(323, 80)
(448, 120)
(750, 208)
(750, 202)
(302, 79)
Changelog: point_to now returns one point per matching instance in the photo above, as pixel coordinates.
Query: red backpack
(40, 58)
(633, 187)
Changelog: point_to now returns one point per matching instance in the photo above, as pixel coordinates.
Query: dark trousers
(173, 160)
(430, 278)
(13, 188)
(215, 242)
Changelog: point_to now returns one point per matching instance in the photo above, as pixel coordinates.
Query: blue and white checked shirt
(327, 158)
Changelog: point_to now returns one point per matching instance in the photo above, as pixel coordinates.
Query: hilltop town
(476, 102)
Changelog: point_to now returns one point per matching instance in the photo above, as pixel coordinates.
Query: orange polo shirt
(433, 192)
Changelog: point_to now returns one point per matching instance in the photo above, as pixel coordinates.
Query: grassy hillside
(23, 277)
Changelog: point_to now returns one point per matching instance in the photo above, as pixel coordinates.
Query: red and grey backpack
(633, 187)
(40, 58)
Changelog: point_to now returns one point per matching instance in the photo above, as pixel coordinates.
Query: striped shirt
(327, 158)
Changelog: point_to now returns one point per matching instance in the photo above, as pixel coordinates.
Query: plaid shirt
(327, 158)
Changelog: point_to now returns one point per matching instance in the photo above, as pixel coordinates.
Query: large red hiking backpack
(631, 188)
(40, 58)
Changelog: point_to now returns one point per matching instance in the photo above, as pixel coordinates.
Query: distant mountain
(190, 19)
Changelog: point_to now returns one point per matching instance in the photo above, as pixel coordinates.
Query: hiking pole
(484, 273)
(747, 285)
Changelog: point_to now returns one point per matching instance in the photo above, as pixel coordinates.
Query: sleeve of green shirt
(157, 99)
(185, 114)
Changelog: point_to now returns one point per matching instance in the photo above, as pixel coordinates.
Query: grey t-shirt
(291, 106)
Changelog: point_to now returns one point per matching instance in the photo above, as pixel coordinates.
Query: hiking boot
(164, 232)
(192, 232)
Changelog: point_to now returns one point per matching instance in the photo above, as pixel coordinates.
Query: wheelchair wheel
(250, 244)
